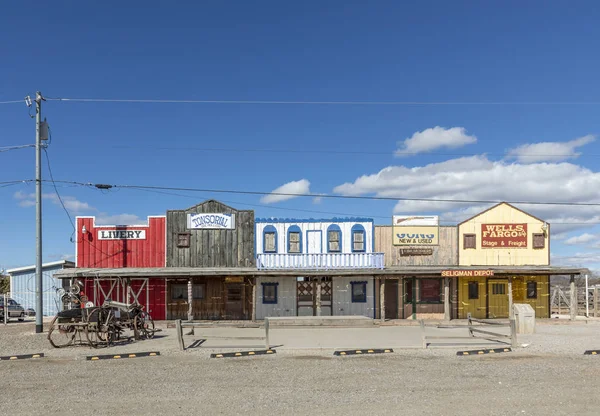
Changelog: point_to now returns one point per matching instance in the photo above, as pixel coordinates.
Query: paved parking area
(548, 376)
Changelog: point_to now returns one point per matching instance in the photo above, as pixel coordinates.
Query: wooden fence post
(513, 333)
(470, 324)
(268, 344)
(511, 313)
(382, 299)
(595, 302)
(446, 299)
(180, 334)
(573, 299)
(190, 300)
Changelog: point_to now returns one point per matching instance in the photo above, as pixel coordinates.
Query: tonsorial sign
(211, 221)
(121, 234)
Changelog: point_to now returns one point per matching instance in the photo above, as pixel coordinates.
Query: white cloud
(72, 204)
(295, 187)
(477, 178)
(576, 260)
(318, 199)
(549, 151)
(119, 219)
(434, 138)
(581, 239)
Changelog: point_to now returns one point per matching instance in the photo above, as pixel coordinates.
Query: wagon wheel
(143, 325)
(101, 328)
(61, 335)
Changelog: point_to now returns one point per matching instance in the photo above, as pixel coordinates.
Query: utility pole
(39, 303)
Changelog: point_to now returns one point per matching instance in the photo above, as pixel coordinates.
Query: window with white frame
(294, 242)
(333, 240)
(270, 245)
(358, 240)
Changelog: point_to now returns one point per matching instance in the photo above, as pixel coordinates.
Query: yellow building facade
(503, 236)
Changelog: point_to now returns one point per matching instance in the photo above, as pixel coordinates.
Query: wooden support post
(513, 333)
(382, 299)
(423, 337)
(511, 313)
(180, 334)
(267, 343)
(596, 302)
(573, 298)
(318, 296)
(447, 299)
(254, 301)
(190, 299)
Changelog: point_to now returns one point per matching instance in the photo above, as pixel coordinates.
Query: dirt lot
(550, 376)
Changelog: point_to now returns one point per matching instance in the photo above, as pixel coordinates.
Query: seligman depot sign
(503, 235)
(211, 221)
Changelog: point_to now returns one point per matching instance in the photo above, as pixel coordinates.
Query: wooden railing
(322, 261)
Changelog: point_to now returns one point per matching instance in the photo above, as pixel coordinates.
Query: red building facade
(124, 246)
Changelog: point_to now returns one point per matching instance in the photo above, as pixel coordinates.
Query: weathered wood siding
(444, 254)
(214, 306)
(342, 297)
(503, 214)
(286, 297)
(211, 248)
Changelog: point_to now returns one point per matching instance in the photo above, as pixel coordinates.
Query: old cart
(99, 326)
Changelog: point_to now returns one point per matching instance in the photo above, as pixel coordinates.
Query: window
(179, 292)
(269, 293)
(183, 240)
(294, 239)
(358, 238)
(431, 290)
(539, 241)
(334, 239)
(270, 239)
(469, 241)
(532, 290)
(199, 291)
(473, 290)
(498, 289)
(359, 292)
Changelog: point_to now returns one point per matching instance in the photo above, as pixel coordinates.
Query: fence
(180, 325)
(490, 336)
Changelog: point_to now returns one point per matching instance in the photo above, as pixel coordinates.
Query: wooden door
(497, 298)
(314, 241)
(391, 299)
(234, 305)
(307, 297)
(409, 299)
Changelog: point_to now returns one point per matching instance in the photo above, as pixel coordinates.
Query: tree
(4, 284)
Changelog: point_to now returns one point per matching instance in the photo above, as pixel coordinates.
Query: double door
(307, 298)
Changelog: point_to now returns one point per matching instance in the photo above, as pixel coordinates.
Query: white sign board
(211, 221)
(121, 234)
(402, 220)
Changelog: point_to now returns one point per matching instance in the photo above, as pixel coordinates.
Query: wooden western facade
(214, 262)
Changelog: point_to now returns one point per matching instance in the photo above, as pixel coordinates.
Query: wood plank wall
(444, 254)
(211, 248)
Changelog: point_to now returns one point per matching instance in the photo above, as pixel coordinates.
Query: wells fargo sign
(416, 236)
(467, 273)
(503, 235)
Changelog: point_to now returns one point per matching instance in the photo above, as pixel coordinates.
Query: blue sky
(430, 51)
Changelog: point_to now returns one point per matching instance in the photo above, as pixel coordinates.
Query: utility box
(524, 318)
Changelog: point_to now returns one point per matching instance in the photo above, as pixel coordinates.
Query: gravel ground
(549, 376)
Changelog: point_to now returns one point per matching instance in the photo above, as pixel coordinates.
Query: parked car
(14, 310)
(30, 312)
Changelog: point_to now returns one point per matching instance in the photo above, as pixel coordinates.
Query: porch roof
(408, 271)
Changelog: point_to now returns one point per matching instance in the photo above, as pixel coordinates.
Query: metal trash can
(524, 318)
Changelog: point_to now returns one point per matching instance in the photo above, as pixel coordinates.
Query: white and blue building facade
(23, 286)
(341, 250)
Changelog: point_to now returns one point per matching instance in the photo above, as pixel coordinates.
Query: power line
(58, 194)
(7, 148)
(190, 101)
(338, 152)
(358, 197)
(11, 102)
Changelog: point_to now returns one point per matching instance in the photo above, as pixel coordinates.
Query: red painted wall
(93, 252)
(152, 296)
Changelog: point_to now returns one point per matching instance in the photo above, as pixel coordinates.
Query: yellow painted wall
(502, 214)
(478, 307)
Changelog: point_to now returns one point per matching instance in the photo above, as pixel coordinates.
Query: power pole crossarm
(39, 305)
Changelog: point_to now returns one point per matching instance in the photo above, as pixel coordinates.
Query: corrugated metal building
(22, 286)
